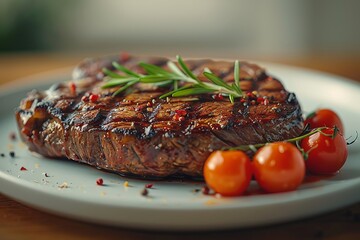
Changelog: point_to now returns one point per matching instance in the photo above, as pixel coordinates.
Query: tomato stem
(349, 143)
(254, 147)
(336, 131)
(306, 154)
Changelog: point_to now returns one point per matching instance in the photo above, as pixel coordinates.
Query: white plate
(174, 205)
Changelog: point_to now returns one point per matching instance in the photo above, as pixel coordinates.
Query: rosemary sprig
(178, 73)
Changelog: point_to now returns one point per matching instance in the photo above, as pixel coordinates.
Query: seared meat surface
(139, 134)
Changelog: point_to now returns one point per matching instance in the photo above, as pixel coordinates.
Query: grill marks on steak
(140, 134)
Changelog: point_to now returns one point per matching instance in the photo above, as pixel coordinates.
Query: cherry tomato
(325, 118)
(279, 167)
(228, 172)
(326, 155)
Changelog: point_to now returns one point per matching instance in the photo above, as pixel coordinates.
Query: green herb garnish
(161, 77)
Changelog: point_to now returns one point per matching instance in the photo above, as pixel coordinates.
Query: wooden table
(21, 222)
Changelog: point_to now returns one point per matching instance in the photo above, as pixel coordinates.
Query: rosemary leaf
(153, 69)
(231, 98)
(175, 90)
(186, 69)
(236, 73)
(124, 69)
(217, 81)
(116, 82)
(175, 69)
(154, 79)
(111, 73)
(237, 89)
(126, 86)
(164, 83)
(191, 91)
(207, 70)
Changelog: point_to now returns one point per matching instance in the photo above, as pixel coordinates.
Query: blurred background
(312, 33)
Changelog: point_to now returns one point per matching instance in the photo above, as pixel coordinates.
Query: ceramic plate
(69, 189)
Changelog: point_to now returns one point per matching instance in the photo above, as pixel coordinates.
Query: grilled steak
(139, 134)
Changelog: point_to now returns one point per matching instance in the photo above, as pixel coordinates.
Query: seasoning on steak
(139, 134)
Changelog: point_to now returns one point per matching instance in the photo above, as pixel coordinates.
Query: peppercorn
(124, 56)
(205, 190)
(93, 98)
(179, 115)
(85, 98)
(181, 112)
(260, 99)
(12, 136)
(218, 96)
(100, 181)
(144, 192)
(72, 87)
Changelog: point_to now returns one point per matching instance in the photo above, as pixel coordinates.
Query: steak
(138, 134)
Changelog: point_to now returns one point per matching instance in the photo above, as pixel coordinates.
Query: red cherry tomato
(279, 167)
(228, 172)
(326, 155)
(325, 118)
